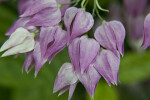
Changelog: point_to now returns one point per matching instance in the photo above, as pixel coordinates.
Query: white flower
(20, 41)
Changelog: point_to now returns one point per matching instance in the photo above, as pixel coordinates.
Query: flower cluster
(39, 34)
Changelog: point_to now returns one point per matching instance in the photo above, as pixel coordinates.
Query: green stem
(86, 3)
(82, 4)
(100, 8)
(93, 13)
(97, 12)
(76, 3)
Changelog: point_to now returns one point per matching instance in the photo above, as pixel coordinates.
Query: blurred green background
(134, 72)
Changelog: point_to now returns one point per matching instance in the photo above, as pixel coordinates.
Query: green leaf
(134, 68)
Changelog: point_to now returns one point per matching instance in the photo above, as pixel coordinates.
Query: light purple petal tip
(89, 79)
(39, 60)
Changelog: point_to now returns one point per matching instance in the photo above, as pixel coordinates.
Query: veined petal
(111, 35)
(39, 60)
(59, 43)
(26, 46)
(107, 64)
(17, 38)
(105, 37)
(28, 61)
(74, 53)
(68, 18)
(119, 32)
(24, 4)
(66, 77)
(46, 17)
(46, 38)
(89, 79)
(83, 23)
(71, 90)
(89, 49)
(39, 5)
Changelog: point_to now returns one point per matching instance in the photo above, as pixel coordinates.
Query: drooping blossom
(66, 80)
(146, 35)
(20, 41)
(43, 13)
(52, 40)
(111, 35)
(83, 52)
(77, 22)
(107, 64)
(34, 58)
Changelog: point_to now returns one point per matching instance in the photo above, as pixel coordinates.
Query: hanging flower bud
(83, 52)
(111, 35)
(34, 58)
(107, 64)
(43, 13)
(135, 7)
(52, 41)
(66, 79)
(80, 21)
(146, 35)
(21, 41)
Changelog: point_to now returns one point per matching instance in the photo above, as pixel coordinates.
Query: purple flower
(34, 58)
(66, 79)
(107, 64)
(23, 5)
(52, 41)
(83, 52)
(80, 21)
(111, 35)
(135, 7)
(89, 79)
(146, 35)
(43, 13)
